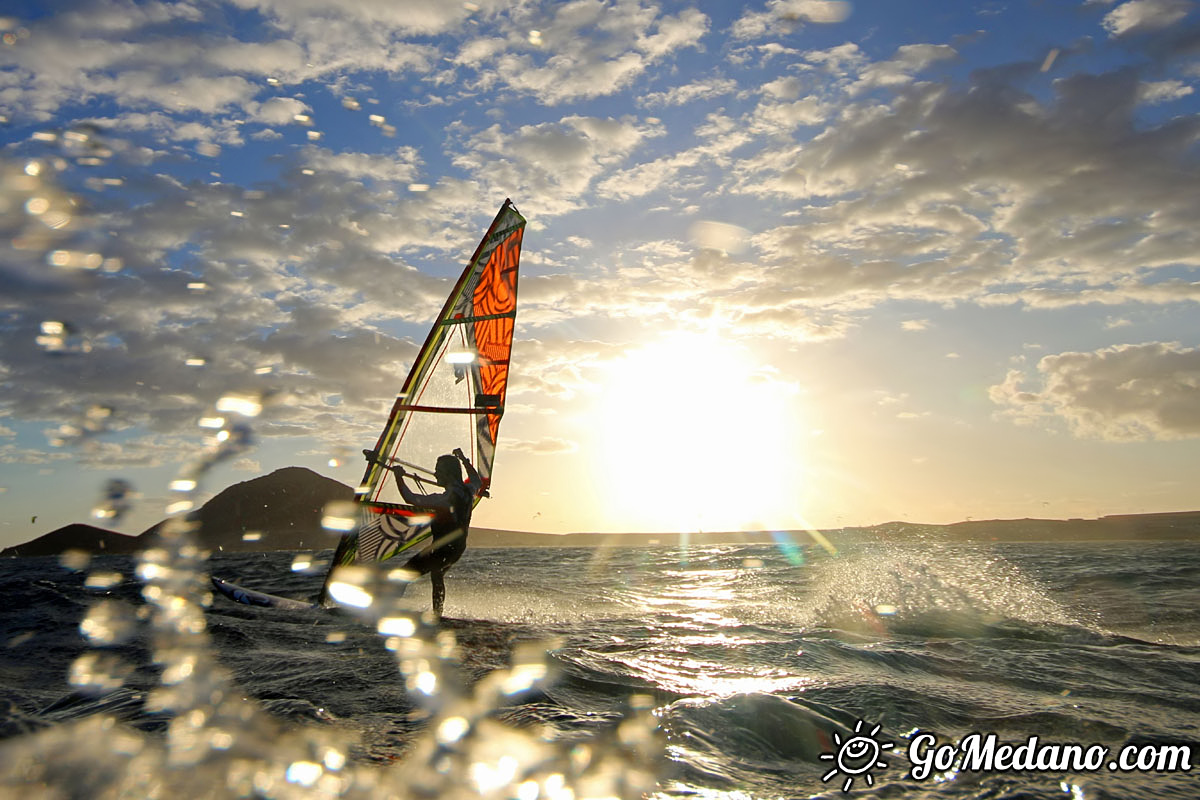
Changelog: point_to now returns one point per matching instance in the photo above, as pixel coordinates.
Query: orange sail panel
(452, 398)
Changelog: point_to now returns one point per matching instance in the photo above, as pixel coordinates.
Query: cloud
(547, 445)
(396, 16)
(278, 110)
(301, 274)
(12, 454)
(719, 235)
(584, 49)
(1120, 393)
(176, 59)
(165, 129)
(720, 136)
(649, 177)
(782, 17)
(838, 60)
(1145, 15)
(660, 284)
(1154, 92)
(556, 162)
(557, 367)
(985, 193)
(909, 60)
(400, 166)
(688, 92)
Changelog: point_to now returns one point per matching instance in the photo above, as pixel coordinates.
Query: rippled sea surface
(745, 663)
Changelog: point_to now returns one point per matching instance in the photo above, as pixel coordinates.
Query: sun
(857, 755)
(696, 433)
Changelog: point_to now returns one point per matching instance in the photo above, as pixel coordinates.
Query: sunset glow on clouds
(953, 250)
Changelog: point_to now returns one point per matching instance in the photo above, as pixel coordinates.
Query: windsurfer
(451, 522)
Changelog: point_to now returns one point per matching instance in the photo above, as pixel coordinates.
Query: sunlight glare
(698, 434)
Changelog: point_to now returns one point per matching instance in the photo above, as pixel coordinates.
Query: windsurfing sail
(452, 398)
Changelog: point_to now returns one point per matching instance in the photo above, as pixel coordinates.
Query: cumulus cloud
(686, 93)
(292, 291)
(1154, 92)
(278, 110)
(583, 49)
(782, 17)
(403, 16)
(1144, 15)
(177, 59)
(401, 166)
(838, 60)
(908, 61)
(560, 367)
(556, 162)
(648, 177)
(1120, 393)
(986, 192)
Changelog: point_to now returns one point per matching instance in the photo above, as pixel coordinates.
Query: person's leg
(437, 577)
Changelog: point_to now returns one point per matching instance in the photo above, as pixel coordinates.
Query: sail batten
(453, 396)
(481, 318)
(449, 410)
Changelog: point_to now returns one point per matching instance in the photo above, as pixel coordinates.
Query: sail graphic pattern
(495, 304)
(452, 398)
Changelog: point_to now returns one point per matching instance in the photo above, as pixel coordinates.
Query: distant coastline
(1166, 526)
(282, 511)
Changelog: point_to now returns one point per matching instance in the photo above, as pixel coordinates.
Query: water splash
(924, 587)
(92, 421)
(115, 501)
(218, 743)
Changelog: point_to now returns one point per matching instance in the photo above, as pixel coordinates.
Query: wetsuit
(451, 521)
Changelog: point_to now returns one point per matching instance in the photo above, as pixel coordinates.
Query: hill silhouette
(77, 536)
(280, 511)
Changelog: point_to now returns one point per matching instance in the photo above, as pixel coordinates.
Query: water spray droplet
(99, 673)
(102, 580)
(109, 622)
(340, 516)
(75, 560)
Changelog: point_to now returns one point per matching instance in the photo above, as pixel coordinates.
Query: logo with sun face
(855, 756)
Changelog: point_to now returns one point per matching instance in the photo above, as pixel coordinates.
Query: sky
(788, 264)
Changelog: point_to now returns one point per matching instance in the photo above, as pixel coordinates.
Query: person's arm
(410, 497)
(473, 476)
(415, 499)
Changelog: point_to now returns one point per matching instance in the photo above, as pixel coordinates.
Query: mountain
(76, 536)
(280, 511)
(1167, 526)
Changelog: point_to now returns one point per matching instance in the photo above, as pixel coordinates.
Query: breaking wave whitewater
(569, 673)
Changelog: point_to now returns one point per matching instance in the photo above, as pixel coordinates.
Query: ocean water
(675, 672)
